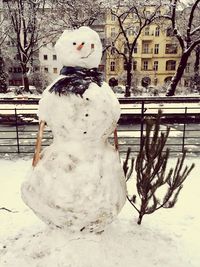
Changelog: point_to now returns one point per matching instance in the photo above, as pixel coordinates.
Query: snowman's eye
(74, 43)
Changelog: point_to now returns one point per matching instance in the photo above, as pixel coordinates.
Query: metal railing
(19, 125)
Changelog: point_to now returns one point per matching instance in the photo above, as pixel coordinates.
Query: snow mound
(122, 244)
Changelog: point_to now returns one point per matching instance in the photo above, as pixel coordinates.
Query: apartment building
(155, 57)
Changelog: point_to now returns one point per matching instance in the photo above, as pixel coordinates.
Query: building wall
(48, 61)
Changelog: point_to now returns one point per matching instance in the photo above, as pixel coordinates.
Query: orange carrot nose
(80, 46)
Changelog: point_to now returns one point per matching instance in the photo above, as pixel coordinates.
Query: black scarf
(76, 80)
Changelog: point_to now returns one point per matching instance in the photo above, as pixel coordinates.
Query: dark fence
(19, 124)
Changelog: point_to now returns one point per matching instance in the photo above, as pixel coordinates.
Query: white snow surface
(167, 238)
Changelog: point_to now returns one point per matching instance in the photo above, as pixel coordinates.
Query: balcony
(147, 53)
(147, 37)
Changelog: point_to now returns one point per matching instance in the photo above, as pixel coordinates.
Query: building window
(148, 13)
(125, 49)
(135, 16)
(155, 65)
(101, 68)
(112, 50)
(125, 65)
(157, 31)
(113, 32)
(103, 42)
(145, 65)
(130, 31)
(158, 12)
(136, 29)
(45, 57)
(113, 17)
(17, 57)
(171, 49)
(186, 83)
(135, 49)
(55, 70)
(187, 68)
(169, 32)
(54, 57)
(146, 31)
(134, 65)
(46, 69)
(145, 48)
(171, 65)
(156, 49)
(112, 66)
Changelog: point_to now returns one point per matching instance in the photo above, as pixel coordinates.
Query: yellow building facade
(155, 58)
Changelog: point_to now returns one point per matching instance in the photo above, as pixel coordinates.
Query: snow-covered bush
(40, 80)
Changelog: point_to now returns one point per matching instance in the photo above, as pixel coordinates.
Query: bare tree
(131, 17)
(3, 31)
(27, 28)
(196, 78)
(187, 36)
(76, 13)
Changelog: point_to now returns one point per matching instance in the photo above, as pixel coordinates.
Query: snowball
(81, 47)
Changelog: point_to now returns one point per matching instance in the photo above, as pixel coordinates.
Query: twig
(3, 208)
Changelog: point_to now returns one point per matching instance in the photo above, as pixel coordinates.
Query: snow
(81, 47)
(168, 238)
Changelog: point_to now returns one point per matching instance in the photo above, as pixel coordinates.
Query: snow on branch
(196, 30)
(191, 17)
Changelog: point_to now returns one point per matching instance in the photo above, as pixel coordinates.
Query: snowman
(77, 183)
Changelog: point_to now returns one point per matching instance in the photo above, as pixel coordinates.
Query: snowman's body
(78, 184)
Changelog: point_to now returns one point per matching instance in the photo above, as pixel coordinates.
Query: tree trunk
(140, 218)
(197, 58)
(25, 79)
(179, 73)
(128, 79)
(196, 78)
(26, 83)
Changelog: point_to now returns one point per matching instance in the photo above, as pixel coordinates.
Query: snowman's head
(79, 48)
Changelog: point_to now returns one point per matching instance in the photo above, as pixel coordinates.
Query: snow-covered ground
(168, 238)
